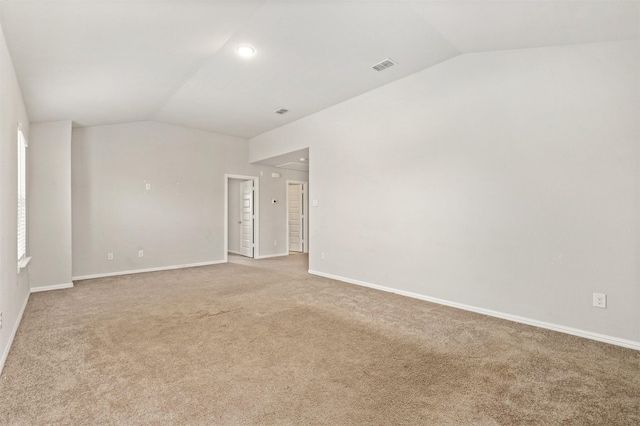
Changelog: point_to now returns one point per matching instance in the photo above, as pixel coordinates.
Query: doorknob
(239, 221)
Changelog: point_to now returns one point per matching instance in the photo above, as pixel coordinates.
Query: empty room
(319, 212)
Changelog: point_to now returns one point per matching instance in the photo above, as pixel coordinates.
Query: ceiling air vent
(387, 63)
(281, 111)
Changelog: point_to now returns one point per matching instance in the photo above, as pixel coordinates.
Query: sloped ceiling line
(199, 68)
(104, 62)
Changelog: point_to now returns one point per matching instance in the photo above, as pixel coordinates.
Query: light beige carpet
(262, 342)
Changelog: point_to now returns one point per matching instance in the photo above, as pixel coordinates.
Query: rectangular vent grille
(387, 63)
(282, 111)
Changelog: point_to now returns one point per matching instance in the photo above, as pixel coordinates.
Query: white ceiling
(290, 161)
(102, 62)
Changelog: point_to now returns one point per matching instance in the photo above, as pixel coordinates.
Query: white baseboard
(139, 271)
(549, 326)
(5, 354)
(267, 256)
(51, 287)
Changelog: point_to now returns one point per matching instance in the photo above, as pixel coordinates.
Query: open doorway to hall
(288, 186)
(242, 214)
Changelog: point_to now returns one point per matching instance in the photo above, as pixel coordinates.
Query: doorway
(246, 218)
(297, 222)
(241, 216)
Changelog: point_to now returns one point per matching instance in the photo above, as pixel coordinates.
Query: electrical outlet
(600, 300)
(147, 186)
(110, 256)
(140, 253)
(275, 242)
(322, 256)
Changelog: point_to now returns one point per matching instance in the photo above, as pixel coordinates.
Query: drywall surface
(180, 220)
(14, 287)
(270, 145)
(235, 215)
(506, 181)
(50, 201)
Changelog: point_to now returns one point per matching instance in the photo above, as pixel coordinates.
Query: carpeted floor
(262, 342)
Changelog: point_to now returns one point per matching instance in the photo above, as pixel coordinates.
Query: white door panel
(246, 228)
(295, 197)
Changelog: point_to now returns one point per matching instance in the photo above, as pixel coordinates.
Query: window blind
(22, 195)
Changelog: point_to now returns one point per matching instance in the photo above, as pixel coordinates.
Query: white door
(296, 217)
(246, 227)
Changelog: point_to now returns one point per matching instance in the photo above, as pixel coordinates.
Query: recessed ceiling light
(245, 50)
(281, 111)
(303, 159)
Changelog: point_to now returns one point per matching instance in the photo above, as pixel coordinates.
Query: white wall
(50, 202)
(14, 287)
(235, 198)
(181, 219)
(506, 181)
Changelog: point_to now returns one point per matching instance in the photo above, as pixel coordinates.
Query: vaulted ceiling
(102, 62)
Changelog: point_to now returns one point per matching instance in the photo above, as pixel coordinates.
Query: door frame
(305, 210)
(256, 213)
